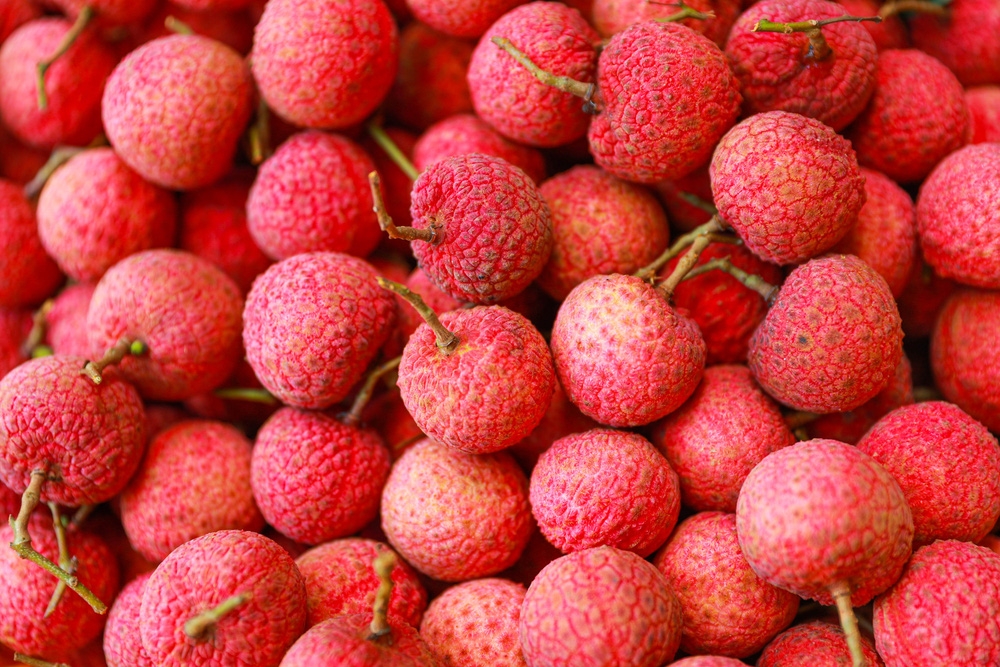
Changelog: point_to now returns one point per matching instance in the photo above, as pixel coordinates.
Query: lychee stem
(397, 156)
(446, 340)
(253, 394)
(176, 26)
(684, 266)
(259, 135)
(388, 226)
(767, 291)
(115, 354)
(819, 49)
(81, 514)
(197, 626)
(384, 564)
(894, 7)
(841, 592)
(698, 202)
(685, 12)
(57, 158)
(66, 562)
(86, 14)
(714, 225)
(36, 662)
(563, 83)
(353, 416)
(38, 326)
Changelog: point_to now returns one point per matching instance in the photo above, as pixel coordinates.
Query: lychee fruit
(468, 20)
(815, 643)
(718, 16)
(984, 113)
(27, 274)
(962, 39)
(122, 642)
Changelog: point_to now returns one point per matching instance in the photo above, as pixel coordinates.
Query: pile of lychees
(494, 333)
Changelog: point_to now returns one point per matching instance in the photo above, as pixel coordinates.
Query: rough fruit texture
(964, 40)
(815, 644)
(468, 19)
(611, 16)
(832, 339)
(122, 642)
(789, 185)
(27, 274)
(890, 33)
(984, 113)
(343, 641)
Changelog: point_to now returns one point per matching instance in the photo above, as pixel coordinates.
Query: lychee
(963, 39)
(815, 643)
(27, 274)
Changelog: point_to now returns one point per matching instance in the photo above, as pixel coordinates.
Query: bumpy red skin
(611, 16)
(959, 231)
(728, 610)
(15, 324)
(561, 419)
(122, 642)
(716, 438)
(917, 116)
(311, 195)
(624, 356)
(175, 107)
(343, 641)
(324, 65)
(28, 589)
(778, 71)
(984, 112)
(456, 531)
(885, 234)
(832, 339)
(302, 322)
(665, 96)
(316, 478)
(195, 479)
(789, 185)
(964, 40)
(186, 311)
(822, 513)
(494, 229)
(890, 33)
(604, 487)
(340, 579)
(232, 27)
(815, 644)
(95, 211)
(922, 298)
(88, 458)
(965, 359)
(468, 133)
(726, 312)
(201, 574)
(438, 301)
(475, 624)
(27, 274)
(600, 606)
(66, 322)
(943, 610)
(74, 84)
(601, 224)
(509, 97)
(467, 20)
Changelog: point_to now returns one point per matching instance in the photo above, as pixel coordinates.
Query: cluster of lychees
(499, 333)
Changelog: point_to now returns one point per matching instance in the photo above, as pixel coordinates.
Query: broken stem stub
(384, 564)
(198, 626)
(115, 354)
(819, 49)
(431, 235)
(841, 592)
(446, 340)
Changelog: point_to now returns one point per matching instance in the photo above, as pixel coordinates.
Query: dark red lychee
(922, 298)
(468, 20)
(964, 39)
(15, 326)
(229, 25)
(815, 644)
(984, 113)
(27, 274)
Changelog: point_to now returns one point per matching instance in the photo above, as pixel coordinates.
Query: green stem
(84, 18)
(384, 564)
(198, 626)
(353, 417)
(38, 326)
(819, 49)
(685, 12)
(256, 395)
(66, 562)
(894, 7)
(176, 26)
(650, 270)
(115, 354)
(766, 290)
(684, 266)
(841, 592)
(36, 662)
(386, 143)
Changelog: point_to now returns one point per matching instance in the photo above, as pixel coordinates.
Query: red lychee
(66, 320)
(15, 326)
(922, 298)
(468, 20)
(27, 274)
(815, 644)
(611, 16)
(15, 13)
(122, 643)
(964, 39)
(890, 33)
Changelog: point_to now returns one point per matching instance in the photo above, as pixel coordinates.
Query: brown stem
(254, 394)
(367, 389)
(894, 7)
(38, 326)
(684, 266)
(86, 14)
(397, 156)
(81, 514)
(924, 393)
(259, 135)
(176, 26)
(197, 626)
(563, 83)
(766, 290)
(797, 419)
(685, 12)
(647, 272)
(388, 226)
(384, 564)
(36, 662)
(446, 340)
(66, 562)
(841, 592)
(818, 47)
(115, 354)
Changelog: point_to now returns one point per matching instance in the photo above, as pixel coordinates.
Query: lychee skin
(66, 322)
(832, 339)
(820, 513)
(468, 19)
(600, 606)
(959, 230)
(324, 64)
(611, 16)
(122, 642)
(175, 107)
(27, 274)
(944, 610)
(789, 185)
(15, 325)
(984, 113)
(815, 643)
(14, 14)
(665, 97)
(964, 40)
(343, 641)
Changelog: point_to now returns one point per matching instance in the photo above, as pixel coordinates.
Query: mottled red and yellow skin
(344, 641)
(822, 513)
(174, 110)
(122, 642)
(665, 96)
(340, 579)
(943, 610)
(984, 113)
(716, 438)
(468, 20)
(612, 16)
(964, 39)
(789, 185)
(456, 516)
(917, 116)
(600, 606)
(728, 610)
(832, 339)
(965, 359)
(27, 274)
(324, 64)
(815, 643)
(624, 355)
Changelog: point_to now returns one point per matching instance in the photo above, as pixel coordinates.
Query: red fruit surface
(74, 84)
(186, 311)
(600, 606)
(832, 339)
(561, 419)
(194, 480)
(438, 301)
(18, 161)
(964, 39)
(15, 324)
(624, 356)
(917, 116)
(232, 27)
(717, 437)
(601, 225)
(468, 20)
(316, 478)
(15, 13)
(27, 274)
(122, 642)
(340, 579)
(984, 113)
(313, 323)
(475, 624)
(944, 610)
(959, 233)
(665, 97)
(494, 229)
(922, 298)
(456, 516)
(323, 64)
(66, 322)
(889, 33)
(769, 175)
(343, 641)
(683, 215)
(779, 71)
(728, 610)
(815, 644)
(175, 107)
(108, 12)
(611, 16)
(965, 359)
(822, 513)
(201, 574)
(604, 487)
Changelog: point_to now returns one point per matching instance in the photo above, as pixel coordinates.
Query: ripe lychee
(816, 643)
(963, 39)
(984, 113)
(27, 274)
(122, 642)
(468, 20)
(611, 16)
